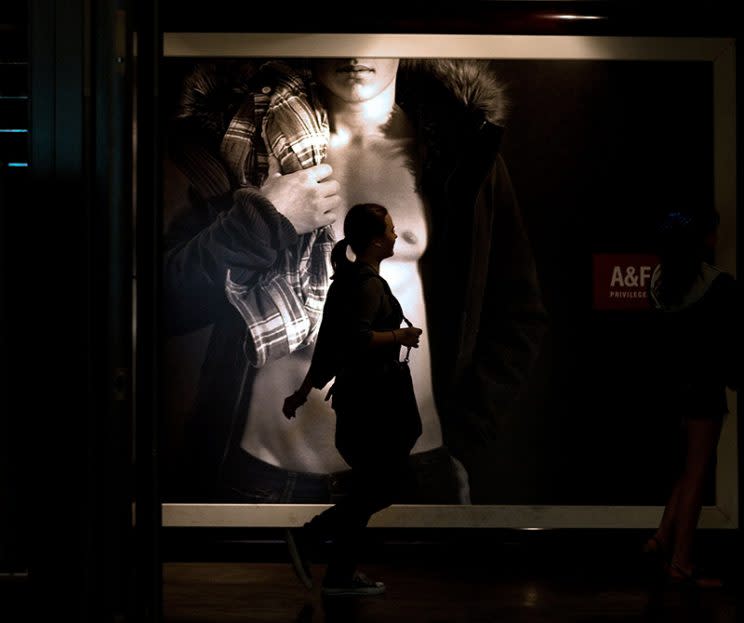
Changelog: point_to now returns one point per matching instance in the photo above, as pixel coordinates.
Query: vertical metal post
(147, 357)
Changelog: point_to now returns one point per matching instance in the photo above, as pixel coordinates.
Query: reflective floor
(495, 584)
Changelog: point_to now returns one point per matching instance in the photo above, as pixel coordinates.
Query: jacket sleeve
(208, 236)
(513, 319)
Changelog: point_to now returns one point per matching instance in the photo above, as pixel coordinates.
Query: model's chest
(382, 172)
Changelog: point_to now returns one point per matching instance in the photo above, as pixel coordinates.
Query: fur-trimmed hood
(444, 96)
(471, 83)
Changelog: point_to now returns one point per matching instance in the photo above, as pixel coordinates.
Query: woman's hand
(408, 336)
(299, 398)
(292, 403)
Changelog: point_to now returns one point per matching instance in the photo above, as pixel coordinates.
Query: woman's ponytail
(339, 261)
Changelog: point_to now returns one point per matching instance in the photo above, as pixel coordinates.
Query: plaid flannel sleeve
(282, 311)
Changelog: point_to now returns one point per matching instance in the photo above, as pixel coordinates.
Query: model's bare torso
(373, 170)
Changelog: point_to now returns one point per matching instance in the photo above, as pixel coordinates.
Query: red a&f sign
(621, 280)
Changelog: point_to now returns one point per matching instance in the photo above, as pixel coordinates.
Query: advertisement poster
(524, 192)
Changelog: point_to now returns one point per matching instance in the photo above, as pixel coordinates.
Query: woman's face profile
(387, 240)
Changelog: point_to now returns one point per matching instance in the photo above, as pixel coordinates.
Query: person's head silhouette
(685, 240)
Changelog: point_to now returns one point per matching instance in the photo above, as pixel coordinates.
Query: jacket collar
(449, 100)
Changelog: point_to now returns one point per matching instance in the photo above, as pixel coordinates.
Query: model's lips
(346, 69)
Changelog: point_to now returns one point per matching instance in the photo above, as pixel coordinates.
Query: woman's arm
(405, 336)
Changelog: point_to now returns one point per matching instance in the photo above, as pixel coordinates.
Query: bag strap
(408, 348)
(396, 302)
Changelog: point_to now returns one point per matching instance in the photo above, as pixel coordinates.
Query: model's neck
(357, 120)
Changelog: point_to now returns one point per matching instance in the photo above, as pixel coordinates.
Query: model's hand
(292, 403)
(308, 198)
(409, 336)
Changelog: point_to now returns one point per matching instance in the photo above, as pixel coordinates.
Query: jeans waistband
(253, 479)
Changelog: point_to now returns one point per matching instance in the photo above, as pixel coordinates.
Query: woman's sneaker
(360, 584)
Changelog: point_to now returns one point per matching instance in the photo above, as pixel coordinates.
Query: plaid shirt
(282, 311)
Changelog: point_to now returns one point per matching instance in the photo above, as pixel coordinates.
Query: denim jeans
(434, 480)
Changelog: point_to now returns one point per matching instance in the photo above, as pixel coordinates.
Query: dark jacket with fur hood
(484, 308)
